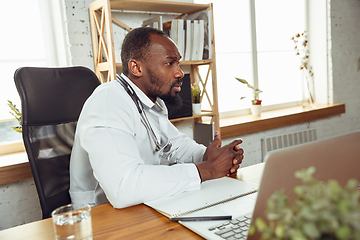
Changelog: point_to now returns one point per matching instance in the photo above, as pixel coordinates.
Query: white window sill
(245, 124)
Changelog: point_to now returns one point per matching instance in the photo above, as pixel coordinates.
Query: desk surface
(137, 222)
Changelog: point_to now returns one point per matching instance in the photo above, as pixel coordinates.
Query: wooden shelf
(101, 22)
(157, 6)
(203, 114)
(182, 63)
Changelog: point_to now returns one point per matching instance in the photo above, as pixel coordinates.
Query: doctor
(123, 133)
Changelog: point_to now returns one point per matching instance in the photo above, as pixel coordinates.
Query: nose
(179, 72)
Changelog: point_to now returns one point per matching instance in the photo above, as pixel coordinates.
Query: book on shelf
(204, 202)
(181, 36)
(192, 35)
(200, 51)
(174, 30)
(188, 39)
(195, 42)
(206, 16)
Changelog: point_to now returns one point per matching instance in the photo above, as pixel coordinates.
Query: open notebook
(334, 158)
(206, 201)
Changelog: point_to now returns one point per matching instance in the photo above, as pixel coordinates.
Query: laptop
(334, 158)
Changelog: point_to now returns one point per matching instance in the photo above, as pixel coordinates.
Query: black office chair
(51, 100)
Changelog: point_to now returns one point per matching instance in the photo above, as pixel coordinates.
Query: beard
(174, 102)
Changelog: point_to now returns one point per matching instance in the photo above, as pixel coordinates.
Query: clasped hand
(220, 161)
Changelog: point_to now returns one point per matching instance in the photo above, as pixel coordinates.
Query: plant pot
(256, 110)
(196, 107)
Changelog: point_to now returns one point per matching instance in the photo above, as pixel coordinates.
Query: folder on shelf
(181, 37)
(195, 42)
(201, 40)
(188, 40)
(206, 17)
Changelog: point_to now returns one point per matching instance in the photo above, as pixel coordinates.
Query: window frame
(254, 55)
(53, 25)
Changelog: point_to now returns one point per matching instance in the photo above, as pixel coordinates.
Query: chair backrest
(51, 102)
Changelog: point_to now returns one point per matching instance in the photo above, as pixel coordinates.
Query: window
(252, 39)
(28, 42)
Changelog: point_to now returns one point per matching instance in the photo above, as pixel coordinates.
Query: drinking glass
(73, 221)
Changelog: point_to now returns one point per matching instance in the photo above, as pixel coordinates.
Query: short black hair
(136, 45)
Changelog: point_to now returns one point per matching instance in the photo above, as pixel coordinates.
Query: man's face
(162, 71)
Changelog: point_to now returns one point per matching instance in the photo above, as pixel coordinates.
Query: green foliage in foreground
(322, 210)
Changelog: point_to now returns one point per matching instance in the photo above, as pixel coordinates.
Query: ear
(135, 68)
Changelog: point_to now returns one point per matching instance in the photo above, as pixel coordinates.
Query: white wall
(18, 201)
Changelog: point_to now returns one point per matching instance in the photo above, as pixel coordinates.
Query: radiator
(287, 140)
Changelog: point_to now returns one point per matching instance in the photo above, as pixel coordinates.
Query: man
(121, 137)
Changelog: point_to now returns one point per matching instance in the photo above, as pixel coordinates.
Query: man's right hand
(220, 161)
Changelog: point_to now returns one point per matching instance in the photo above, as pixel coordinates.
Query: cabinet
(110, 20)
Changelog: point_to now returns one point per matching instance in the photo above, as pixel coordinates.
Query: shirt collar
(159, 104)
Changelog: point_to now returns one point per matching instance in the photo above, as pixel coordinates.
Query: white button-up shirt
(114, 159)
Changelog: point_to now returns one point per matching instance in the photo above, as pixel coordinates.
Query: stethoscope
(140, 108)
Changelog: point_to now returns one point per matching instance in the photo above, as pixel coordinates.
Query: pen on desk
(205, 218)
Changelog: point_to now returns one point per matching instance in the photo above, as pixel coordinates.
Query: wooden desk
(137, 222)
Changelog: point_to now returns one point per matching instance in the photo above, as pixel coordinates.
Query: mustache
(178, 82)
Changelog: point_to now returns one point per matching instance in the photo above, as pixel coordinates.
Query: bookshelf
(109, 23)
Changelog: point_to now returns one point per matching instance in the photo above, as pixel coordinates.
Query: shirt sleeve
(117, 166)
(124, 177)
(186, 150)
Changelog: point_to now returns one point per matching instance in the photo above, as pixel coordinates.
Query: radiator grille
(287, 140)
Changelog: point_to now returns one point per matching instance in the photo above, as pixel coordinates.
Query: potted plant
(302, 50)
(256, 103)
(196, 98)
(17, 114)
(322, 210)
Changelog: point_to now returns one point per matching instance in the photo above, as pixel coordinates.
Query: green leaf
(344, 206)
(252, 230)
(343, 232)
(279, 231)
(260, 224)
(297, 235)
(17, 114)
(352, 184)
(257, 91)
(273, 216)
(311, 170)
(242, 81)
(311, 230)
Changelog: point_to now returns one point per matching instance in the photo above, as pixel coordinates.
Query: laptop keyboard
(233, 229)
